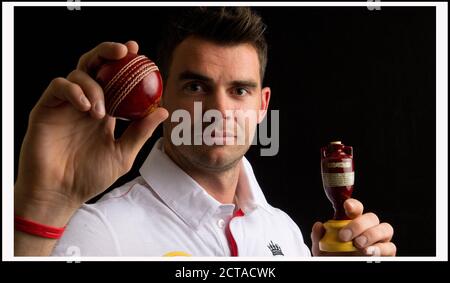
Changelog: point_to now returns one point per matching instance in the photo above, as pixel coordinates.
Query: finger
(379, 233)
(92, 90)
(92, 60)
(110, 125)
(138, 133)
(357, 226)
(381, 249)
(353, 208)
(61, 90)
(317, 233)
(132, 46)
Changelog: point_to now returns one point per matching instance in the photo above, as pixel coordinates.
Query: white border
(441, 130)
(7, 129)
(260, 4)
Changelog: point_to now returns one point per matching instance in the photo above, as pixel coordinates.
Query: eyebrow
(190, 75)
(246, 83)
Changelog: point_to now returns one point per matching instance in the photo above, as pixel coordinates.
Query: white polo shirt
(165, 212)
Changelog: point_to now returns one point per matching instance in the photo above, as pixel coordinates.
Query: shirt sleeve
(303, 249)
(88, 234)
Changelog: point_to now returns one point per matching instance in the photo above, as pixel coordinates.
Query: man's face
(222, 77)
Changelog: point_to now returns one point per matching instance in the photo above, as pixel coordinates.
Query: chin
(217, 156)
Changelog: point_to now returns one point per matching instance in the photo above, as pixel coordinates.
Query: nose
(219, 100)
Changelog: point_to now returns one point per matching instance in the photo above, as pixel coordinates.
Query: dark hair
(223, 25)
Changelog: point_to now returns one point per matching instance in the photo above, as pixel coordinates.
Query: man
(190, 200)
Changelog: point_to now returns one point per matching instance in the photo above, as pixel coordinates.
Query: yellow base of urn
(330, 241)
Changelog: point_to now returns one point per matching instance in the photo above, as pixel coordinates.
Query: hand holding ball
(132, 86)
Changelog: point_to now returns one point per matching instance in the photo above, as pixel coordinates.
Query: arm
(69, 153)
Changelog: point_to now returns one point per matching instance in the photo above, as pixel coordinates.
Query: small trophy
(338, 176)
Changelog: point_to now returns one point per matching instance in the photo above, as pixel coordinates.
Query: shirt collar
(187, 198)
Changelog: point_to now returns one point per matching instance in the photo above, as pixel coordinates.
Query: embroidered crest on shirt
(275, 249)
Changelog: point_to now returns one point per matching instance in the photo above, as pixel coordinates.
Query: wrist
(52, 210)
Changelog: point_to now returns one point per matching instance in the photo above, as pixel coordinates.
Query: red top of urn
(337, 149)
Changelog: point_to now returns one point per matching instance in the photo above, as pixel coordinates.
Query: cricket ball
(132, 86)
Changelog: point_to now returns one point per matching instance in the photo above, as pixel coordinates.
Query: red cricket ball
(132, 86)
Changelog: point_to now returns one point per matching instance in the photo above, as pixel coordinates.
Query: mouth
(219, 134)
(218, 137)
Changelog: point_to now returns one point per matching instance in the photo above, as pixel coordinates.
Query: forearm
(51, 212)
(30, 245)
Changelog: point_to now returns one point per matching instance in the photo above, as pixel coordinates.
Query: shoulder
(289, 228)
(88, 233)
(92, 230)
(282, 217)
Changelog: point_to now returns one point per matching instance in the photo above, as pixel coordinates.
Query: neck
(220, 184)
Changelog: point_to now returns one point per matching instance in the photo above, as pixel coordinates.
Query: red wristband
(37, 229)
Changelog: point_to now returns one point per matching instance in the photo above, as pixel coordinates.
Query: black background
(366, 77)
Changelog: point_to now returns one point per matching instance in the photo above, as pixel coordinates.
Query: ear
(265, 99)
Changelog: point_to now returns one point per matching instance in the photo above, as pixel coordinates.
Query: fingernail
(100, 108)
(345, 235)
(361, 241)
(85, 101)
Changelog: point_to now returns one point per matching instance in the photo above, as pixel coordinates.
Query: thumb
(353, 208)
(138, 132)
(317, 233)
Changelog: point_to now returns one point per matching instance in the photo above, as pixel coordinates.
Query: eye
(241, 91)
(193, 88)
